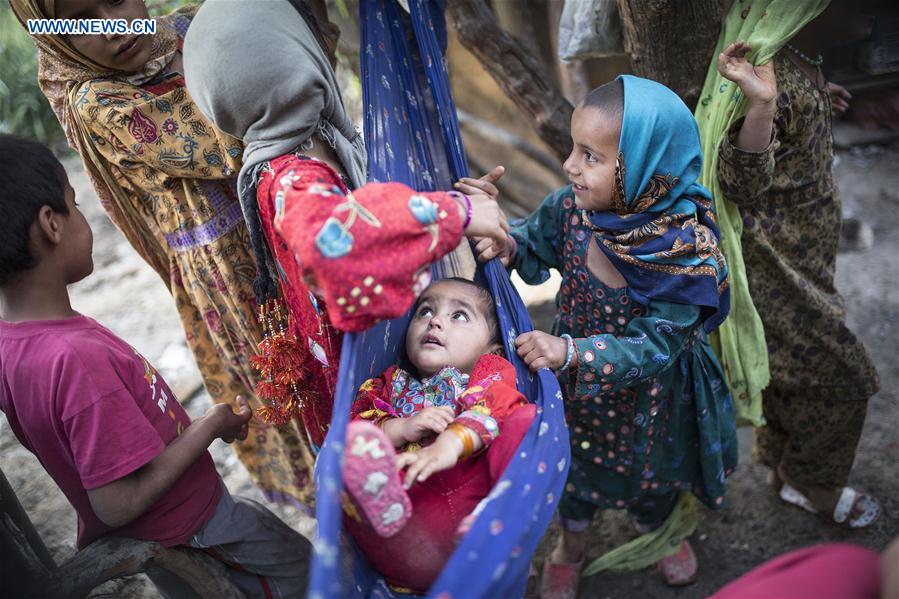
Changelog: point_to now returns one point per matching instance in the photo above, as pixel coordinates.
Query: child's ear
(49, 226)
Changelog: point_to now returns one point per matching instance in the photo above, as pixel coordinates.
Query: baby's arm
(490, 397)
(444, 453)
(374, 403)
(121, 501)
(430, 421)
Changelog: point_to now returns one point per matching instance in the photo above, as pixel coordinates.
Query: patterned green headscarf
(740, 342)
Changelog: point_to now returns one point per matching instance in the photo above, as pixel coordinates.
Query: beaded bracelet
(467, 442)
(568, 356)
(458, 195)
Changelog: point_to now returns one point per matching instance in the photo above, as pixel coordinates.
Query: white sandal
(849, 497)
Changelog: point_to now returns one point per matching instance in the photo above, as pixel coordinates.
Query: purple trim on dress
(181, 23)
(216, 193)
(221, 224)
(284, 499)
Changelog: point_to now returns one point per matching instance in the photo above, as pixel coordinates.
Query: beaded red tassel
(280, 362)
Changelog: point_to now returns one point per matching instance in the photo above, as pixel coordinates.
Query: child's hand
(757, 82)
(434, 420)
(487, 219)
(470, 186)
(541, 350)
(839, 98)
(443, 454)
(487, 249)
(231, 425)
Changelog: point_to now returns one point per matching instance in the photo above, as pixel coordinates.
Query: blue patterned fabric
(662, 235)
(412, 136)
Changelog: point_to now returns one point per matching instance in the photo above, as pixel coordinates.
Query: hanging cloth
(412, 136)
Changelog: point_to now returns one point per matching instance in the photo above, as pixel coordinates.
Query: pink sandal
(560, 580)
(371, 478)
(681, 568)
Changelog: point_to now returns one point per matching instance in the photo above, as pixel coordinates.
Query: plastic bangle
(458, 195)
(568, 356)
(514, 249)
(464, 436)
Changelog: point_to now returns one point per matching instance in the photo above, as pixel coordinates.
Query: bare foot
(570, 548)
(774, 480)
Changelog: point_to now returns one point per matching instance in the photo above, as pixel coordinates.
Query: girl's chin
(583, 203)
(426, 369)
(593, 206)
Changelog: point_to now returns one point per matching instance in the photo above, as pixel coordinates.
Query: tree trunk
(671, 41)
(528, 23)
(522, 77)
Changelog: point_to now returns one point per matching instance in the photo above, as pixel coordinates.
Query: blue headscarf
(662, 234)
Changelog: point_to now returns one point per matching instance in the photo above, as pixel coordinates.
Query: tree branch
(521, 77)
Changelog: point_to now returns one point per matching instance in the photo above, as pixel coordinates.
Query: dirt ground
(127, 296)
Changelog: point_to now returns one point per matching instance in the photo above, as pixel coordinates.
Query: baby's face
(591, 165)
(449, 328)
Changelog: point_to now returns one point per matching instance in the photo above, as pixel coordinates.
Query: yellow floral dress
(179, 174)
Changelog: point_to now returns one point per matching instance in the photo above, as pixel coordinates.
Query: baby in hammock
(456, 420)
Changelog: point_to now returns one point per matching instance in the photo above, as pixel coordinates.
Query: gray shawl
(255, 69)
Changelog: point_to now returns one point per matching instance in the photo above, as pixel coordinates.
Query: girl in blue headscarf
(643, 281)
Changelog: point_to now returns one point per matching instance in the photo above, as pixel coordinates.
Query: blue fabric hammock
(412, 136)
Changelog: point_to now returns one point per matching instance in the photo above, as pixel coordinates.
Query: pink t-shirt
(93, 410)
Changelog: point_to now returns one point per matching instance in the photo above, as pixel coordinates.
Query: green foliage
(342, 8)
(23, 108)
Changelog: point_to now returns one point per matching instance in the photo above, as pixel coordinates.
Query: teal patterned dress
(647, 407)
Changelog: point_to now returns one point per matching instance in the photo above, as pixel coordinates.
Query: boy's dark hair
(609, 98)
(30, 177)
(487, 305)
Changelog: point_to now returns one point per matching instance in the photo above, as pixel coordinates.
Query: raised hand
(757, 82)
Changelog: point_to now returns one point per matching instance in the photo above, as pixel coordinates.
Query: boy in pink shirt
(100, 419)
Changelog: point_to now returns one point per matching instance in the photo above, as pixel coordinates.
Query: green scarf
(740, 342)
(649, 548)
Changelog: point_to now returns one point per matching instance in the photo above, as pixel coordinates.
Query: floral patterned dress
(821, 373)
(646, 402)
(792, 212)
(346, 260)
(179, 175)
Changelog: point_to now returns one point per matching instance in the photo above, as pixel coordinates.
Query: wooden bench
(28, 570)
